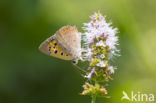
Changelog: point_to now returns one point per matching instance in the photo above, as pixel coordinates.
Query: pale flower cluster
(98, 27)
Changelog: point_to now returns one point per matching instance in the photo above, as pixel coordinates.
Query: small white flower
(100, 43)
(90, 74)
(111, 42)
(89, 54)
(102, 56)
(101, 64)
(111, 69)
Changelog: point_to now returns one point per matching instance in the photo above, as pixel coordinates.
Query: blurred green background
(28, 76)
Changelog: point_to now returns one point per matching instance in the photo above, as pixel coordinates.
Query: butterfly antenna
(79, 68)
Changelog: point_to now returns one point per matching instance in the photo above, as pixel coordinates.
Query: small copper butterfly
(64, 44)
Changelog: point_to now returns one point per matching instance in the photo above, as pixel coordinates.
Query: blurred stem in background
(93, 99)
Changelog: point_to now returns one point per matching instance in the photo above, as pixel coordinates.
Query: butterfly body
(65, 44)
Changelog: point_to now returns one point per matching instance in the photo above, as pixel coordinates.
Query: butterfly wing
(51, 47)
(70, 40)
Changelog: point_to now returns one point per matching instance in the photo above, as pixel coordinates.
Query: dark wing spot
(51, 40)
(55, 44)
(61, 53)
(66, 54)
(55, 51)
(49, 48)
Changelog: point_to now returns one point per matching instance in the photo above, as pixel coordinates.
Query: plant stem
(93, 99)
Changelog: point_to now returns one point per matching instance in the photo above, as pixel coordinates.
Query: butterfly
(64, 44)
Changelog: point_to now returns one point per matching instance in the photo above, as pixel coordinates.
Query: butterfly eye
(61, 53)
(74, 61)
(55, 51)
